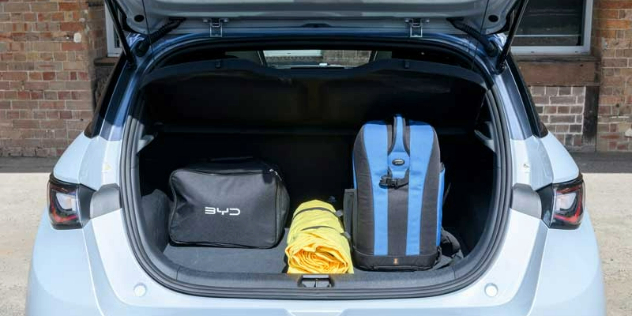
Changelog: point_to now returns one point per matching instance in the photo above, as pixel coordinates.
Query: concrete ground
(608, 178)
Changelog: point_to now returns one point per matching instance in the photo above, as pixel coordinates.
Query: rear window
(310, 58)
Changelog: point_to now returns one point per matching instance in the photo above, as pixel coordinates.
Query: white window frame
(563, 50)
(113, 43)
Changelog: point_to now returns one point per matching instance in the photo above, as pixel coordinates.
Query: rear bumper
(68, 277)
(571, 280)
(60, 281)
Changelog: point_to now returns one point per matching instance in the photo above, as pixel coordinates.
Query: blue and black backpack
(399, 183)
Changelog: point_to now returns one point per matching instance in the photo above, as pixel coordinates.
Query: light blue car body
(536, 271)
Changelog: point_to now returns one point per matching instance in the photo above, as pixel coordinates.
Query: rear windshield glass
(310, 58)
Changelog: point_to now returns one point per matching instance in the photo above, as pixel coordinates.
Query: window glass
(316, 58)
(552, 23)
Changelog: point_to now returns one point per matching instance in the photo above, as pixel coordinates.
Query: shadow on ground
(587, 162)
(26, 165)
(604, 162)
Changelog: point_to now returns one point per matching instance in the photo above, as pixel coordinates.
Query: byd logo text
(231, 211)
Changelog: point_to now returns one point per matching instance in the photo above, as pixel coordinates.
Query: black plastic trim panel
(537, 127)
(402, 65)
(103, 103)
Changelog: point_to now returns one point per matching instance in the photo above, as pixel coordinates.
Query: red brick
(57, 85)
(16, 7)
(8, 95)
(76, 125)
(57, 16)
(26, 114)
(615, 62)
(69, 6)
(46, 56)
(74, 65)
(81, 95)
(50, 95)
(79, 85)
(607, 14)
(64, 95)
(84, 76)
(564, 100)
(61, 56)
(30, 17)
(65, 114)
(13, 114)
(48, 75)
(615, 4)
(577, 109)
(37, 95)
(36, 85)
(563, 109)
(79, 105)
(53, 124)
(35, 75)
(39, 114)
(24, 95)
(610, 136)
(52, 114)
(71, 26)
(26, 123)
(616, 24)
(46, 46)
(562, 119)
(23, 105)
(71, 46)
(44, 7)
(14, 75)
(82, 115)
(33, 134)
(52, 105)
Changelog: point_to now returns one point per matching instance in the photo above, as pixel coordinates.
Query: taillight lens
(64, 204)
(563, 204)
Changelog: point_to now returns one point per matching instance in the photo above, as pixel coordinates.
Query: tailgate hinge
(216, 26)
(416, 27)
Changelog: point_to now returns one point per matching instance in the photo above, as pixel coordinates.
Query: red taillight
(563, 204)
(63, 205)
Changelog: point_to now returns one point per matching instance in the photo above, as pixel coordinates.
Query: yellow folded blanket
(316, 241)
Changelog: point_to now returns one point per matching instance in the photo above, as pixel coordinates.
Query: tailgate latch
(416, 27)
(315, 281)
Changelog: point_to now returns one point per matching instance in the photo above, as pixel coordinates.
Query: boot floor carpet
(239, 260)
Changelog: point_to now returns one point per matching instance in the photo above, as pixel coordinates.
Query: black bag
(238, 203)
(396, 221)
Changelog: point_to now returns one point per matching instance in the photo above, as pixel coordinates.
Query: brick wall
(612, 42)
(46, 75)
(48, 81)
(561, 109)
